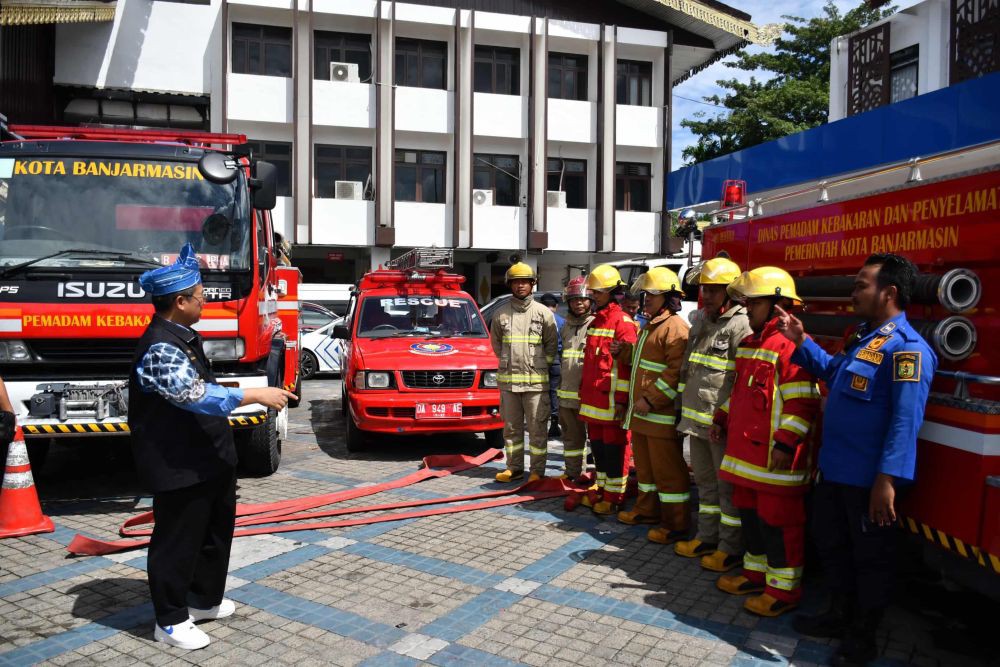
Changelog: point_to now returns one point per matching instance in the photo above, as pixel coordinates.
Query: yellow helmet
(764, 281)
(658, 280)
(718, 271)
(522, 271)
(604, 277)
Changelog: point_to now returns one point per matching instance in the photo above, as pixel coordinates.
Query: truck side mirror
(264, 185)
(341, 331)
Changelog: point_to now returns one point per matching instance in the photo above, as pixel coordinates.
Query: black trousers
(189, 550)
(858, 556)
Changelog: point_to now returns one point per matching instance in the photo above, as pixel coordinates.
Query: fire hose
(297, 509)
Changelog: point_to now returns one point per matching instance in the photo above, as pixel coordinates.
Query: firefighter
(574, 338)
(707, 378)
(664, 486)
(551, 302)
(524, 338)
(604, 389)
(878, 388)
(766, 423)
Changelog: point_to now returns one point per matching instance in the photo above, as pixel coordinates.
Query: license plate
(439, 410)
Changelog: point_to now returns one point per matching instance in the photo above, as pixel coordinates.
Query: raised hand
(790, 326)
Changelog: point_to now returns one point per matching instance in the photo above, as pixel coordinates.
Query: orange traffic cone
(20, 512)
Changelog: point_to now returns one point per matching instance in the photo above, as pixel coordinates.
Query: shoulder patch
(866, 354)
(877, 342)
(628, 319)
(859, 383)
(906, 366)
(888, 328)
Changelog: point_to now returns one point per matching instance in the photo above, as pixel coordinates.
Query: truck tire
(298, 392)
(308, 365)
(494, 438)
(259, 448)
(357, 440)
(343, 398)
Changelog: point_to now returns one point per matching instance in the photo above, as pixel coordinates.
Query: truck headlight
(14, 350)
(489, 379)
(224, 349)
(378, 380)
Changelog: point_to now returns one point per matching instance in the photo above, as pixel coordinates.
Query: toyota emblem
(438, 379)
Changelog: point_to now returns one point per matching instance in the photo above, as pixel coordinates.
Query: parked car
(320, 351)
(313, 316)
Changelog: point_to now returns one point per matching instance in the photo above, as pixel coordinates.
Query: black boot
(554, 430)
(831, 623)
(858, 647)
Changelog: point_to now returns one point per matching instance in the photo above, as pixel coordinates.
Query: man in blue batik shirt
(878, 387)
(184, 452)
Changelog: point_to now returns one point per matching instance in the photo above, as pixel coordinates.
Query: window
(634, 83)
(632, 186)
(278, 153)
(421, 63)
(420, 176)
(903, 70)
(341, 47)
(567, 76)
(499, 173)
(569, 176)
(498, 70)
(341, 163)
(262, 49)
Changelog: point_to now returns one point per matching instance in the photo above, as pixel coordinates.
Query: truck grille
(94, 350)
(438, 379)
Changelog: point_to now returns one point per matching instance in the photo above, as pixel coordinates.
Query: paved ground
(527, 584)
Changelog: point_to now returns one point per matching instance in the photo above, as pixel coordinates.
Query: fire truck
(85, 211)
(942, 212)
(417, 357)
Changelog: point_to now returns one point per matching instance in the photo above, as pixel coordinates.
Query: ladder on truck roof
(189, 137)
(423, 259)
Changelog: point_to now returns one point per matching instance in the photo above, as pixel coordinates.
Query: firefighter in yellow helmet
(524, 338)
(707, 376)
(664, 487)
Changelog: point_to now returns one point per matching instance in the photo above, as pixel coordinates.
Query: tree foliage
(794, 98)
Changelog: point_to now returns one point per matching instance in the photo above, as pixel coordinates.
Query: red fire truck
(417, 357)
(83, 212)
(942, 213)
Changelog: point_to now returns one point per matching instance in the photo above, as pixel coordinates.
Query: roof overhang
(39, 12)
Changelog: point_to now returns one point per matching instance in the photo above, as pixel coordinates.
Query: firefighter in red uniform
(766, 424)
(604, 389)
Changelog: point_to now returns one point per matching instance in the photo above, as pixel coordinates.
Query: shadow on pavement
(118, 603)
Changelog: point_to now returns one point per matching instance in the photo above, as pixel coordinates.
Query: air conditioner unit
(344, 72)
(349, 189)
(555, 199)
(482, 197)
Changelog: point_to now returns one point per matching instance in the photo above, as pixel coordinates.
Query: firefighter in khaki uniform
(524, 338)
(769, 459)
(664, 487)
(574, 339)
(706, 381)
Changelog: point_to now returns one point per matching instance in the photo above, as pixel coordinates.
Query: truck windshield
(135, 208)
(427, 316)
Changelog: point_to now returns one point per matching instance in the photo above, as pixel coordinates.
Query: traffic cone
(20, 512)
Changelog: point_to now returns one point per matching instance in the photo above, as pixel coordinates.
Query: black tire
(308, 365)
(259, 447)
(298, 392)
(357, 440)
(494, 438)
(343, 398)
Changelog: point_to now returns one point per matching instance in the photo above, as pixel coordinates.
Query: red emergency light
(734, 193)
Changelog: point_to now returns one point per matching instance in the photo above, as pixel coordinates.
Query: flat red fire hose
(296, 509)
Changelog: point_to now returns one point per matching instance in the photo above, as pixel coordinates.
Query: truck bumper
(396, 413)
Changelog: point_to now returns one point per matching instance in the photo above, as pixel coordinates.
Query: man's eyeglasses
(199, 299)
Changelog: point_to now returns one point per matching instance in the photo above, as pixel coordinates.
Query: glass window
(632, 187)
(341, 47)
(497, 70)
(567, 76)
(262, 49)
(634, 83)
(420, 176)
(499, 173)
(278, 153)
(421, 63)
(341, 163)
(429, 315)
(903, 71)
(569, 176)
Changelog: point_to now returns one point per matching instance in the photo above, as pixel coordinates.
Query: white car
(320, 351)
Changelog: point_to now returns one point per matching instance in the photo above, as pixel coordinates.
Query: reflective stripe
(538, 451)
(565, 393)
(597, 413)
(665, 388)
(605, 333)
(513, 450)
(517, 338)
(729, 520)
(794, 424)
(647, 488)
(695, 416)
(784, 578)
(709, 509)
(680, 386)
(725, 407)
(621, 385)
(754, 473)
(759, 354)
(572, 354)
(675, 497)
(616, 484)
(528, 378)
(755, 563)
(791, 390)
(602, 477)
(716, 363)
(572, 452)
(785, 572)
(652, 366)
(669, 420)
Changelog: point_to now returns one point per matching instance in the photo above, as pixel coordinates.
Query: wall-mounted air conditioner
(482, 197)
(555, 199)
(349, 189)
(347, 72)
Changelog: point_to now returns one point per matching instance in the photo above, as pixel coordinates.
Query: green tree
(795, 98)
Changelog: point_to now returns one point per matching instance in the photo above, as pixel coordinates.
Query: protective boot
(605, 508)
(737, 584)
(693, 548)
(858, 646)
(831, 623)
(534, 477)
(662, 535)
(631, 517)
(592, 497)
(509, 476)
(765, 605)
(720, 561)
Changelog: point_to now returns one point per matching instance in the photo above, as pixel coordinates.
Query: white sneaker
(225, 608)
(183, 635)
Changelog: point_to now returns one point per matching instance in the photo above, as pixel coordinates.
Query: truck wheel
(308, 365)
(259, 447)
(298, 392)
(343, 398)
(494, 438)
(356, 440)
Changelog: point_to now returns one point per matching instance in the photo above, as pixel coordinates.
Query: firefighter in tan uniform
(524, 338)
(574, 339)
(707, 379)
(664, 487)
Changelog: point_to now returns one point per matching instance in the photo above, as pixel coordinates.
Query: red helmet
(577, 289)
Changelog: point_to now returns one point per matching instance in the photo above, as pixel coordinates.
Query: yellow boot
(765, 605)
(632, 518)
(693, 548)
(661, 535)
(720, 561)
(534, 477)
(737, 584)
(509, 475)
(605, 508)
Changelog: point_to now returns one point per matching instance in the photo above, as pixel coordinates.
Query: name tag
(870, 355)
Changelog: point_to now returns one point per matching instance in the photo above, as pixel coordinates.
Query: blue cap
(180, 275)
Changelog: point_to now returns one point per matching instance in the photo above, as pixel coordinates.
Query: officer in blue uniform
(878, 388)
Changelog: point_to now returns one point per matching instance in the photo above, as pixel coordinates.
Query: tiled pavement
(528, 584)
